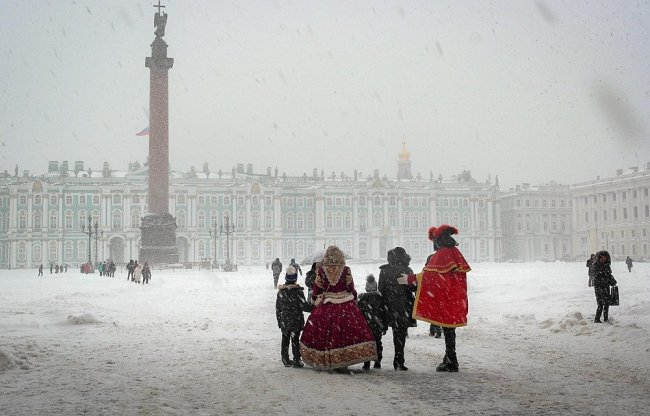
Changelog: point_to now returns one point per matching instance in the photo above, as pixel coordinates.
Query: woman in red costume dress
(441, 297)
(336, 334)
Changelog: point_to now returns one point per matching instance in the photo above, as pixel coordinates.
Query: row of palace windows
(53, 251)
(623, 194)
(536, 203)
(82, 199)
(614, 214)
(292, 221)
(68, 220)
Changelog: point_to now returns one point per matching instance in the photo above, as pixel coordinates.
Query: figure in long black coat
(603, 279)
(399, 300)
(590, 270)
(290, 304)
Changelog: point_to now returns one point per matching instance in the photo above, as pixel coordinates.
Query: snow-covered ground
(207, 343)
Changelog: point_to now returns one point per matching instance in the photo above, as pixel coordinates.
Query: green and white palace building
(41, 216)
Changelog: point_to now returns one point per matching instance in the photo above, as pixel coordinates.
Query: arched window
(268, 220)
(22, 200)
(416, 221)
(82, 218)
(310, 221)
(455, 219)
(339, 221)
(255, 220)
(135, 218)
(290, 251)
(347, 247)
(22, 220)
(407, 220)
(300, 252)
(180, 200)
(116, 220)
(255, 251)
(95, 217)
(201, 249)
(290, 223)
(241, 222)
(180, 220)
(214, 219)
(362, 249)
(377, 202)
(53, 220)
(465, 221)
(348, 221)
(38, 200)
(392, 218)
(53, 252)
(241, 250)
(82, 250)
(363, 221)
(328, 221)
(22, 251)
(67, 251)
(376, 219)
(37, 221)
(268, 249)
(37, 255)
(201, 217)
(300, 221)
(67, 220)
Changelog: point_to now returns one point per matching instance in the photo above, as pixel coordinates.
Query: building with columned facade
(283, 216)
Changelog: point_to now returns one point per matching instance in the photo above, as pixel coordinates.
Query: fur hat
(292, 275)
(371, 284)
(333, 257)
(437, 232)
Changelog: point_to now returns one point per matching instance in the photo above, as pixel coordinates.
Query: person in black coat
(276, 268)
(310, 278)
(289, 306)
(603, 279)
(373, 309)
(590, 263)
(399, 300)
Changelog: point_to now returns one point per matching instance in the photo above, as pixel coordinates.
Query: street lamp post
(214, 234)
(227, 228)
(89, 232)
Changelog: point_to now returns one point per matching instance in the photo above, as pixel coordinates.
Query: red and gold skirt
(337, 335)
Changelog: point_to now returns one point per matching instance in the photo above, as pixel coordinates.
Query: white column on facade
(277, 225)
(126, 210)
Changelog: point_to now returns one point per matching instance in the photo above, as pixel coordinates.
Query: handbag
(613, 300)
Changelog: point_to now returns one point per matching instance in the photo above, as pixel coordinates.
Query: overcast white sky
(531, 91)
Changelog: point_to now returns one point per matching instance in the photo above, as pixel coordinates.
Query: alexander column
(158, 226)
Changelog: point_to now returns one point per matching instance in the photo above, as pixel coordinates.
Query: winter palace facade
(41, 216)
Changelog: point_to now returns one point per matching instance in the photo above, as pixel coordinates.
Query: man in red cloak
(441, 297)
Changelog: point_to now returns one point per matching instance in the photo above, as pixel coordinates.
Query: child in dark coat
(374, 310)
(289, 306)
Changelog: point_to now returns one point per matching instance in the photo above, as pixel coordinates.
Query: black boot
(366, 365)
(377, 364)
(599, 310)
(606, 313)
(397, 365)
(297, 364)
(286, 361)
(448, 365)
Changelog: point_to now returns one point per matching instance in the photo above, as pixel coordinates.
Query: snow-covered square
(207, 343)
